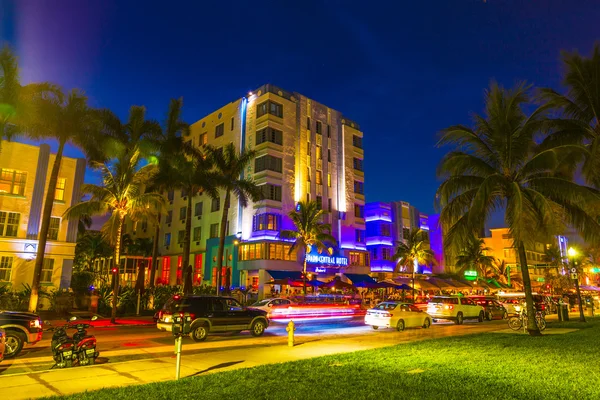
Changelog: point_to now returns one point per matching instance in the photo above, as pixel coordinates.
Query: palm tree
(90, 247)
(310, 231)
(192, 174)
(498, 165)
(121, 195)
(553, 257)
(501, 271)
(229, 166)
(170, 141)
(411, 252)
(580, 108)
(473, 255)
(68, 120)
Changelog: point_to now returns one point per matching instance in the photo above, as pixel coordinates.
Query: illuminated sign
(595, 270)
(470, 275)
(329, 260)
(319, 269)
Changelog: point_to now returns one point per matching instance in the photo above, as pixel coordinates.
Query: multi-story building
(305, 151)
(388, 224)
(23, 183)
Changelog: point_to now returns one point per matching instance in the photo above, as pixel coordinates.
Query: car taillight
(386, 314)
(35, 323)
(448, 307)
(160, 314)
(65, 346)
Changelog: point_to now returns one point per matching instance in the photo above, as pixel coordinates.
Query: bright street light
(572, 252)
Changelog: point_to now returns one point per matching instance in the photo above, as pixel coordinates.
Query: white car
(268, 304)
(394, 314)
(454, 308)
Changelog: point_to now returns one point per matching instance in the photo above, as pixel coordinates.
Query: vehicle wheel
(481, 316)
(258, 328)
(68, 363)
(400, 325)
(459, 319)
(375, 327)
(541, 323)
(490, 316)
(14, 343)
(91, 361)
(427, 323)
(514, 323)
(505, 315)
(199, 333)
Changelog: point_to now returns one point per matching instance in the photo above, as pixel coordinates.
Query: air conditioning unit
(199, 217)
(167, 247)
(183, 220)
(197, 243)
(184, 197)
(144, 230)
(169, 224)
(180, 244)
(171, 202)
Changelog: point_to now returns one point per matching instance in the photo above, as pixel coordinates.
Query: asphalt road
(145, 342)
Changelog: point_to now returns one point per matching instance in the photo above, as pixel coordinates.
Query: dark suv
(213, 314)
(21, 328)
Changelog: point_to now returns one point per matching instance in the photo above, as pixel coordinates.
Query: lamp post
(572, 253)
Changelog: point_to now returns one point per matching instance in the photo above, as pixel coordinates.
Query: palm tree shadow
(218, 366)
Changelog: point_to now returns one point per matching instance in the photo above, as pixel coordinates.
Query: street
(120, 344)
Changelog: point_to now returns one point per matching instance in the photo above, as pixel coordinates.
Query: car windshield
(261, 303)
(175, 304)
(386, 306)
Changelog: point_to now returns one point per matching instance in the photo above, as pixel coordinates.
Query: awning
(441, 283)
(293, 275)
(590, 288)
(459, 284)
(360, 278)
(426, 285)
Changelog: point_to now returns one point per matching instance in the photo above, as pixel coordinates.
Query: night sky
(402, 69)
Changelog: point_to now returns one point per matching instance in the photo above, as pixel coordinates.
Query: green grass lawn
(483, 366)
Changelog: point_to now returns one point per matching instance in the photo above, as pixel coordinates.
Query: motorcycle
(81, 348)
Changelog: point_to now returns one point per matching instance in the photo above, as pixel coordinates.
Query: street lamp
(572, 254)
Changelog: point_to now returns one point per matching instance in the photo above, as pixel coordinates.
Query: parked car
(2, 343)
(213, 314)
(393, 314)
(493, 308)
(455, 308)
(510, 300)
(268, 304)
(20, 328)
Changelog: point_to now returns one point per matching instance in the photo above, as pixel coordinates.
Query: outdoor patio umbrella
(338, 284)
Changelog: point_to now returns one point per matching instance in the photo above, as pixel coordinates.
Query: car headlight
(167, 319)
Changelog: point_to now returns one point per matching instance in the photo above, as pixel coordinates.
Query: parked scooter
(81, 348)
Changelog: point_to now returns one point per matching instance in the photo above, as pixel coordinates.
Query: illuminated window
(329, 180)
(319, 177)
(6, 263)
(203, 139)
(215, 205)
(319, 154)
(214, 230)
(267, 162)
(279, 251)
(53, 228)
(9, 224)
(12, 182)
(180, 237)
(167, 241)
(319, 127)
(197, 234)
(269, 135)
(219, 130)
(166, 270)
(59, 193)
(269, 107)
(266, 222)
(356, 258)
(47, 270)
(271, 192)
(252, 251)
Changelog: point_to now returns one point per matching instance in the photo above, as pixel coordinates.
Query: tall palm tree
(192, 174)
(579, 121)
(90, 247)
(121, 194)
(411, 252)
(170, 141)
(310, 231)
(229, 166)
(473, 256)
(499, 165)
(68, 120)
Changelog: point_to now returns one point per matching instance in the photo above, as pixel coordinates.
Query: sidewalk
(204, 358)
(105, 322)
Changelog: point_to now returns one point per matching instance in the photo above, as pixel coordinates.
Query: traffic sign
(574, 270)
(574, 276)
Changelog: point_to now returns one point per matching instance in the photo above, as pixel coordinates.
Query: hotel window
(232, 123)
(329, 180)
(269, 107)
(59, 193)
(359, 187)
(180, 237)
(374, 253)
(360, 236)
(405, 233)
(267, 162)
(356, 258)
(203, 139)
(386, 253)
(266, 222)
(357, 141)
(386, 230)
(319, 202)
(271, 192)
(251, 251)
(279, 251)
(6, 263)
(358, 164)
(215, 204)
(319, 153)
(12, 182)
(329, 155)
(359, 211)
(197, 234)
(184, 193)
(9, 224)
(53, 228)
(219, 130)
(269, 135)
(319, 127)
(170, 195)
(198, 209)
(167, 241)
(169, 217)
(47, 270)
(329, 205)
(308, 123)
(182, 213)
(214, 230)
(308, 149)
(328, 130)
(308, 174)
(319, 176)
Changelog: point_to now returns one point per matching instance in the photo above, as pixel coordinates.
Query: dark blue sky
(402, 69)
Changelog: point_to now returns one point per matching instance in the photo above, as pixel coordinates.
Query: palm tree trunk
(222, 234)
(532, 327)
(155, 252)
(187, 240)
(43, 233)
(304, 276)
(117, 265)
